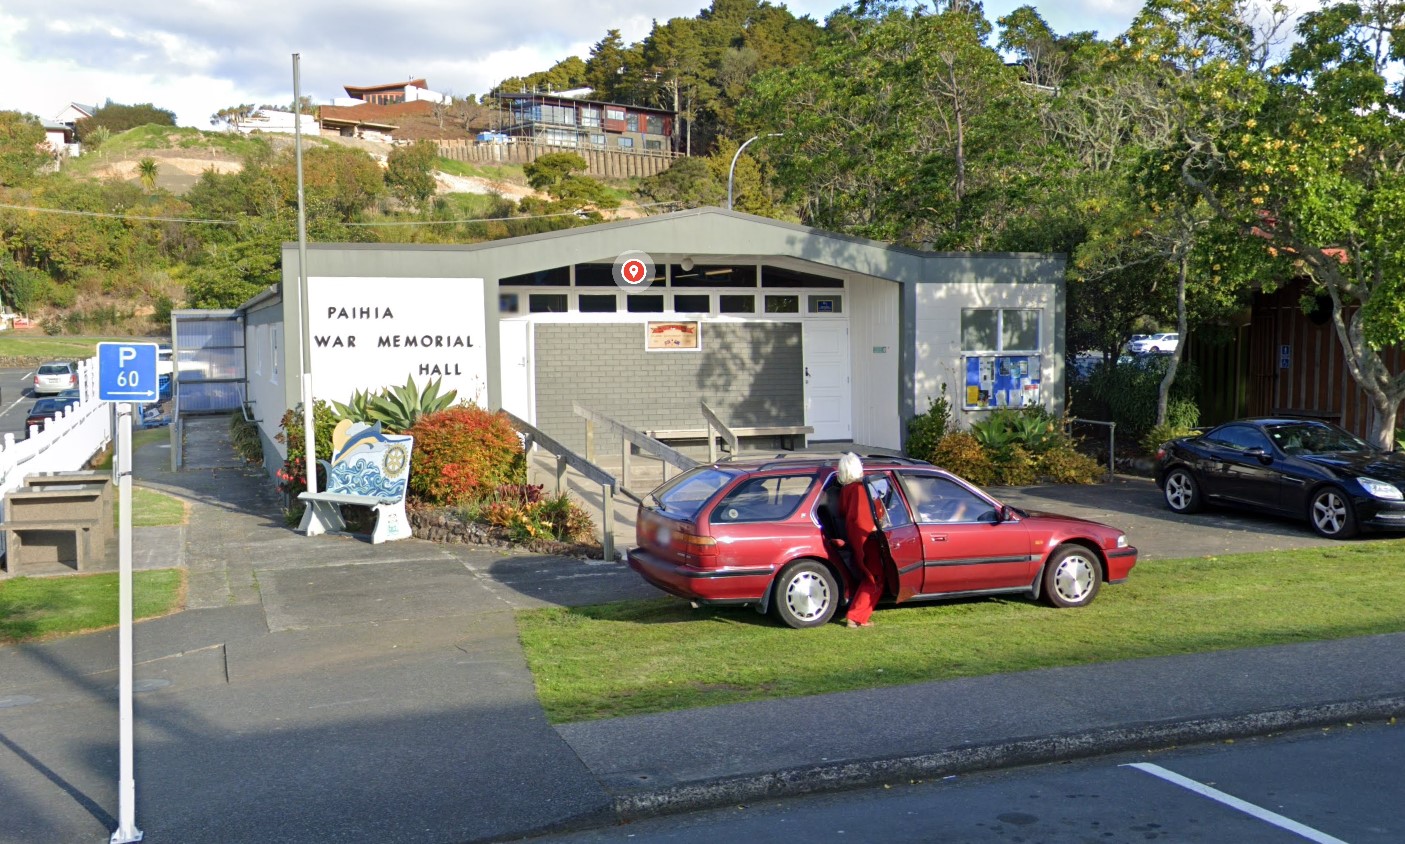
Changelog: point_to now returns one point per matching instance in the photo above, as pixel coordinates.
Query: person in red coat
(863, 539)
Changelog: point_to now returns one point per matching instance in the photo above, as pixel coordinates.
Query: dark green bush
(926, 429)
(1127, 393)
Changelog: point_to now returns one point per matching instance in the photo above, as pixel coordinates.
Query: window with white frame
(275, 339)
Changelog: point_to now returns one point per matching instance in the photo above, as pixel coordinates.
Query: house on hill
(411, 91)
(560, 120)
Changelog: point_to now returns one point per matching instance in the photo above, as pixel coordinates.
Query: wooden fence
(600, 163)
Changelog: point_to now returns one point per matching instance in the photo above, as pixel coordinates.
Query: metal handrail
(566, 457)
(1111, 440)
(714, 422)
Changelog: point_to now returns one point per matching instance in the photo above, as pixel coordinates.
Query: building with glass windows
(558, 120)
(770, 323)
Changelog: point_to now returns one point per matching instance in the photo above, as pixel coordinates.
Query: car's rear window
(682, 497)
(763, 499)
(54, 369)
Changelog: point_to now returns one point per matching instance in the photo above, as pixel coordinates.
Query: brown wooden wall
(1316, 381)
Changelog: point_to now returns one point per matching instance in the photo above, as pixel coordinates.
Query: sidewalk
(326, 689)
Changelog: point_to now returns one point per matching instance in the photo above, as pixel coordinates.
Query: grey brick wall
(749, 374)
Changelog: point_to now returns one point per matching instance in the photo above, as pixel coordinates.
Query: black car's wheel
(806, 594)
(1331, 514)
(1072, 577)
(1182, 493)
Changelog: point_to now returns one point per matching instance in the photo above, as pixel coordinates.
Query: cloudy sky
(195, 57)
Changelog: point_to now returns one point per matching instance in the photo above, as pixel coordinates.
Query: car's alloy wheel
(1182, 495)
(1331, 514)
(1072, 577)
(806, 594)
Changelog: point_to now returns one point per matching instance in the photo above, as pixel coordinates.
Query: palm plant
(147, 169)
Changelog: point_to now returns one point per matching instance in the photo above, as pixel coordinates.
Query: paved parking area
(1135, 505)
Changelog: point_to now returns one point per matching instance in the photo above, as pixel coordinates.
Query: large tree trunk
(1163, 395)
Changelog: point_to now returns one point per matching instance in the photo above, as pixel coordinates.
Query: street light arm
(731, 171)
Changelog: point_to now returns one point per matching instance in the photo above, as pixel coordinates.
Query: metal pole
(308, 422)
(607, 518)
(126, 779)
(731, 171)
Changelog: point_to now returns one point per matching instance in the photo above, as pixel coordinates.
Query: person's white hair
(850, 468)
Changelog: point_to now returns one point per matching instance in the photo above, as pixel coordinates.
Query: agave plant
(399, 408)
(358, 409)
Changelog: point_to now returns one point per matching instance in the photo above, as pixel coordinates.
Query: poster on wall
(1002, 381)
(673, 337)
(373, 333)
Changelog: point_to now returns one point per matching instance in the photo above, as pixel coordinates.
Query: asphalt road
(16, 398)
(1328, 786)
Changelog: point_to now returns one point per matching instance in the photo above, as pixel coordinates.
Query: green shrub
(1015, 467)
(528, 514)
(959, 452)
(1067, 465)
(244, 435)
(1160, 434)
(1033, 429)
(1127, 393)
(292, 478)
(927, 428)
(463, 453)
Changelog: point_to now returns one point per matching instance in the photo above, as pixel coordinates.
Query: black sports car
(1294, 467)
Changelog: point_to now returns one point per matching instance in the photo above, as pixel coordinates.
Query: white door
(518, 388)
(828, 406)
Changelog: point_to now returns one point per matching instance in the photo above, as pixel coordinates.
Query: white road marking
(1235, 803)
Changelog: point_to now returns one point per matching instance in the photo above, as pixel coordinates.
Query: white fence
(64, 443)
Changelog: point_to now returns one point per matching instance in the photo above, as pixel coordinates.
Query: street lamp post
(731, 171)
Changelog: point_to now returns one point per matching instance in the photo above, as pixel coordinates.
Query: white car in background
(1155, 344)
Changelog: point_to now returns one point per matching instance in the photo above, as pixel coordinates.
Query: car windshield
(682, 496)
(1314, 438)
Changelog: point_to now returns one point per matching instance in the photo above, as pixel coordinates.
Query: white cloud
(198, 56)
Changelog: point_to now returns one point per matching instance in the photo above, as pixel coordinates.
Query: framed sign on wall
(673, 336)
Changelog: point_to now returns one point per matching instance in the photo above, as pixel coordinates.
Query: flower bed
(444, 524)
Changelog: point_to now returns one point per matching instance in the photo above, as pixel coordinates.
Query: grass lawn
(156, 509)
(497, 172)
(46, 607)
(636, 657)
(37, 345)
(141, 437)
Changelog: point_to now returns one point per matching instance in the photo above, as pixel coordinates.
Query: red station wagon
(769, 533)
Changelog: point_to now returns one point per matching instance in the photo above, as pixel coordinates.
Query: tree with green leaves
(23, 149)
(117, 118)
(410, 171)
(1304, 158)
(561, 176)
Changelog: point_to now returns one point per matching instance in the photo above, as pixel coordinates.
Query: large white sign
(373, 333)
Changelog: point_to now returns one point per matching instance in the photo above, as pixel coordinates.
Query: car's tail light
(1161, 454)
(73, 380)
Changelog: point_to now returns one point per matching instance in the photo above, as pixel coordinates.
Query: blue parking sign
(127, 372)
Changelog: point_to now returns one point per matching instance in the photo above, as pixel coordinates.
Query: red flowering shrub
(462, 454)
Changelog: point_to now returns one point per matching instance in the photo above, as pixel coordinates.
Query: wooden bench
(66, 524)
(368, 469)
(786, 433)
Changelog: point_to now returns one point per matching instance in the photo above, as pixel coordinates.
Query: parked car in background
(1301, 468)
(54, 377)
(769, 534)
(44, 410)
(1155, 344)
